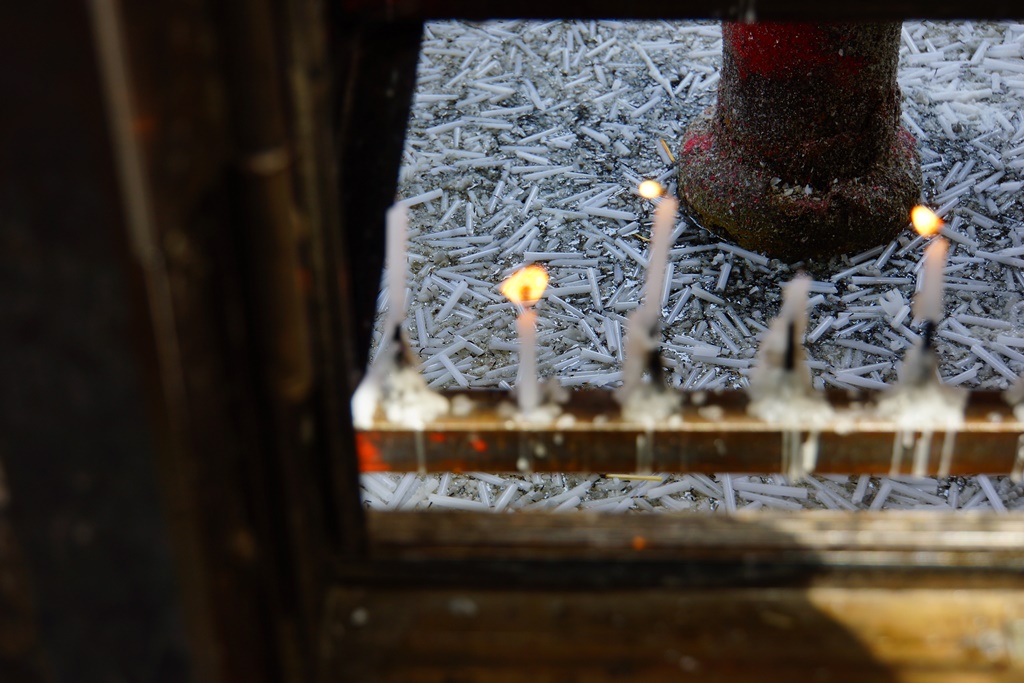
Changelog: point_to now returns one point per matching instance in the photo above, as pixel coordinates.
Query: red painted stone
(698, 142)
(780, 50)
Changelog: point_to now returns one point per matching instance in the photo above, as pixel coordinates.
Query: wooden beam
(742, 549)
(791, 634)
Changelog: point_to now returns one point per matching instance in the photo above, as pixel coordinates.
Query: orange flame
(526, 285)
(925, 221)
(649, 189)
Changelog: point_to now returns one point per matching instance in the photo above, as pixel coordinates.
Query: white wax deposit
(527, 386)
(661, 238)
(365, 400)
(931, 406)
(1015, 394)
(401, 393)
(408, 401)
(787, 398)
(922, 404)
(397, 229)
(650, 405)
(928, 302)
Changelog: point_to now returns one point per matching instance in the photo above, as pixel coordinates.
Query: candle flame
(925, 221)
(649, 189)
(526, 285)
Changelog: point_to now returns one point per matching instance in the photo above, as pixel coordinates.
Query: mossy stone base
(743, 201)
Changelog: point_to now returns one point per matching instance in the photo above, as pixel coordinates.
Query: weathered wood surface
(820, 634)
(890, 549)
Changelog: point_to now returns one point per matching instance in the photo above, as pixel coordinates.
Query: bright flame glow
(526, 285)
(925, 221)
(649, 189)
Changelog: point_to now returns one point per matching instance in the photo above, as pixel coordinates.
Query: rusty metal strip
(715, 436)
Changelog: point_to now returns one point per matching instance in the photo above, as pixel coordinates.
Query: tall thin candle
(661, 238)
(641, 328)
(921, 404)
(397, 229)
(928, 301)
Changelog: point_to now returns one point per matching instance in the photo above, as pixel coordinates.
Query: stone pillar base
(803, 156)
(746, 203)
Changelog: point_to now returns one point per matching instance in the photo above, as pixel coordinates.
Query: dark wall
(74, 436)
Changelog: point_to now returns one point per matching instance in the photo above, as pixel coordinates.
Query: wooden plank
(834, 634)
(587, 550)
(600, 534)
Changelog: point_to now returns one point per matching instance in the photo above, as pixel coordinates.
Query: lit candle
(397, 229)
(641, 325)
(921, 404)
(928, 301)
(661, 237)
(524, 288)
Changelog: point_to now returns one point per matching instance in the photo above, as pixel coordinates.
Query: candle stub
(780, 383)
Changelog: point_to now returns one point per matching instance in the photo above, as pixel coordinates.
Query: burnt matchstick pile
(527, 144)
